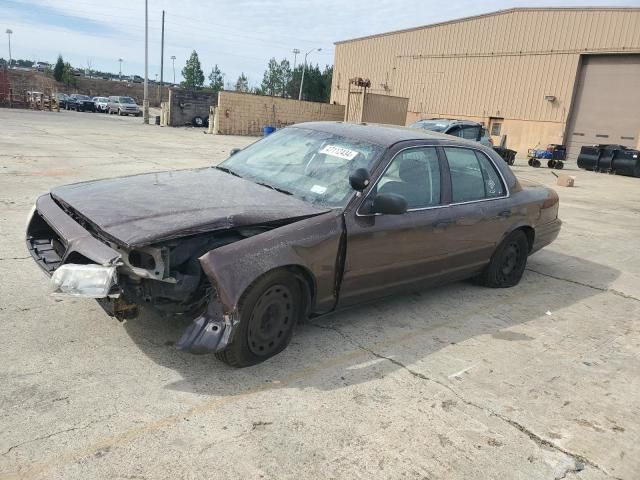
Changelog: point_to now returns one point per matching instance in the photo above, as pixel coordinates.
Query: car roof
(378, 134)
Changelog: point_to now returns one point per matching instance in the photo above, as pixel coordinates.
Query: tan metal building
(536, 75)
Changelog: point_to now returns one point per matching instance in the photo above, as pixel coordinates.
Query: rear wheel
(268, 313)
(508, 262)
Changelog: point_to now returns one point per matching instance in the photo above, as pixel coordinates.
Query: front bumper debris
(211, 332)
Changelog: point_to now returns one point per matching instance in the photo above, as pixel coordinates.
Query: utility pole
(9, 32)
(304, 68)
(173, 61)
(162, 58)
(145, 102)
(120, 76)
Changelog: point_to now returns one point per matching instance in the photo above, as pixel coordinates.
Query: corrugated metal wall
(495, 65)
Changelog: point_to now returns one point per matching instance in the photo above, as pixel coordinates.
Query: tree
(270, 79)
(216, 79)
(192, 72)
(67, 75)
(58, 70)
(242, 84)
(276, 78)
(284, 77)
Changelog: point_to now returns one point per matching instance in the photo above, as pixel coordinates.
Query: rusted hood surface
(143, 209)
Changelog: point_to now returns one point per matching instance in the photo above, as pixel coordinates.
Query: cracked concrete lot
(539, 381)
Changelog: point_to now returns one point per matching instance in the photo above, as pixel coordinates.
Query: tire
(535, 163)
(268, 312)
(507, 263)
(551, 163)
(119, 112)
(530, 162)
(559, 164)
(197, 121)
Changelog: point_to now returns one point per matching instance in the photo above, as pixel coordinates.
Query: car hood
(143, 209)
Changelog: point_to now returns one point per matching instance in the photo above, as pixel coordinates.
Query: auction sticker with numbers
(339, 152)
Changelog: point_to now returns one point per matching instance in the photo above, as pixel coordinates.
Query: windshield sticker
(319, 189)
(339, 152)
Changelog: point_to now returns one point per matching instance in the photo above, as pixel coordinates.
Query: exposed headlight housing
(92, 281)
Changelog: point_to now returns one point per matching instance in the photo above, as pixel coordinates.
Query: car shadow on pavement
(371, 341)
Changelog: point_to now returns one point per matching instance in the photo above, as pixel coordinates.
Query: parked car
(80, 103)
(458, 128)
(312, 218)
(124, 106)
(62, 99)
(101, 103)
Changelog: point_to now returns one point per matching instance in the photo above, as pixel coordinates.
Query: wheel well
(307, 282)
(530, 233)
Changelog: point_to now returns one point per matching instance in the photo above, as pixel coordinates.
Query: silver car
(124, 106)
(458, 128)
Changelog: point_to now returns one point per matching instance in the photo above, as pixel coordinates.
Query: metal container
(610, 158)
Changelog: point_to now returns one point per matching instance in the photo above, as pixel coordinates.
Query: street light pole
(304, 68)
(120, 75)
(145, 102)
(173, 61)
(9, 32)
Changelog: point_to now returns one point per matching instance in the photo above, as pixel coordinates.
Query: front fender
(312, 243)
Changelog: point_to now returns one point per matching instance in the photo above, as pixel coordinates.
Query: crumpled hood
(143, 209)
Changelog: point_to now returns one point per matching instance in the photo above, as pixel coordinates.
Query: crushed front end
(167, 278)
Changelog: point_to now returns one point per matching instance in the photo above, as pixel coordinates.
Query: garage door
(607, 104)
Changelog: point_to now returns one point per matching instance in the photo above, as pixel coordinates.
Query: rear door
(479, 212)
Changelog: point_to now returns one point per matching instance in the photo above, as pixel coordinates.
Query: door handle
(504, 214)
(443, 223)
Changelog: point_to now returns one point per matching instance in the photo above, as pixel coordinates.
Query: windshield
(313, 166)
(82, 97)
(126, 100)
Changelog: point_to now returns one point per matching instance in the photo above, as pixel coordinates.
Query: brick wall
(184, 105)
(247, 114)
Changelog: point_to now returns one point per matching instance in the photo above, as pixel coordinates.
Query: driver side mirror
(359, 179)
(234, 151)
(389, 203)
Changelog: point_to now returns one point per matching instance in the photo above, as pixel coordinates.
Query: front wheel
(508, 262)
(268, 313)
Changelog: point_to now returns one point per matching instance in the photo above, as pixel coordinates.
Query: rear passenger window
(473, 176)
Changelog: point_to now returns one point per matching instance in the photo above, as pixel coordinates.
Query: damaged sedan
(313, 218)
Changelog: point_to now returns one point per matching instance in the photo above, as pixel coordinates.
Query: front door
(387, 252)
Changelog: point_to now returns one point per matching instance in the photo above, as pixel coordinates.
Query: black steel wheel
(530, 162)
(559, 164)
(507, 263)
(551, 164)
(535, 163)
(268, 313)
(269, 320)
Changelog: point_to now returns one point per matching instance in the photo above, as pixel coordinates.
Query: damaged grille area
(44, 244)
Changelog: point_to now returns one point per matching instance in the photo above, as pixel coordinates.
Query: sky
(238, 35)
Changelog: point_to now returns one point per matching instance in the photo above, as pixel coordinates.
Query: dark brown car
(310, 219)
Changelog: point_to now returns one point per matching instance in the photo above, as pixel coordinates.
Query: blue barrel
(268, 130)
